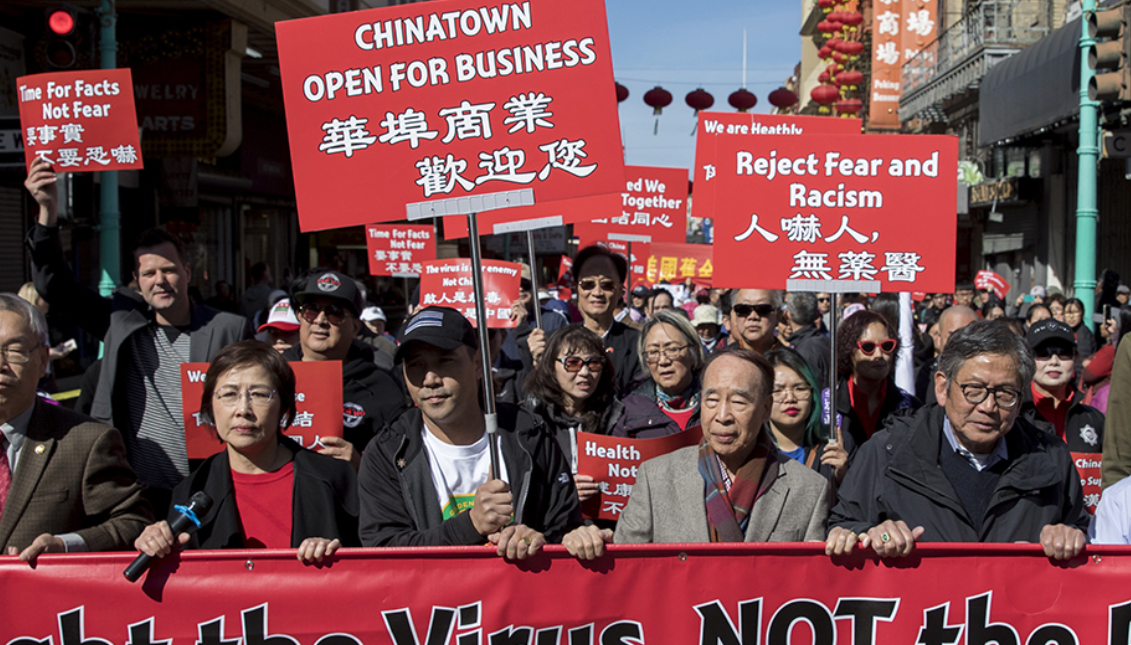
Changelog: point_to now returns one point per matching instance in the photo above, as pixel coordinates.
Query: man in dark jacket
(328, 304)
(967, 470)
(1054, 405)
(600, 276)
(805, 335)
(146, 339)
(427, 479)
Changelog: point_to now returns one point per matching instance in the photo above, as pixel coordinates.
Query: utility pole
(109, 226)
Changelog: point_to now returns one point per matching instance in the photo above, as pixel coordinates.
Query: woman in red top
(267, 491)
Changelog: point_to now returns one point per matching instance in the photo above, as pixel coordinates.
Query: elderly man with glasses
(968, 470)
(328, 305)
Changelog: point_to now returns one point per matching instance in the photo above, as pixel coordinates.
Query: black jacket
(897, 476)
(398, 499)
(325, 500)
(620, 347)
(813, 346)
(558, 425)
(1083, 424)
(896, 400)
(643, 418)
(371, 397)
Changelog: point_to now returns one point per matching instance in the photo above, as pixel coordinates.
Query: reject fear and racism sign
(832, 212)
(448, 107)
(399, 250)
(80, 121)
(449, 283)
(653, 208)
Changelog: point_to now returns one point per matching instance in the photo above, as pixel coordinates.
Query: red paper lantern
(851, 18)
(824, 53)
(834, 16)
(700, 99)
(849, 107)
(622, 93)
(657, 98)
(840, 58)
(851, 78)
(826, 5)
(824, 95)
(742, 100)
(850, 48)
(827, 27)
(823, 78)
(782, 98)
(833, 42)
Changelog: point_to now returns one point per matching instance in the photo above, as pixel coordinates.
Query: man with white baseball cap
(281, 329)
(373, 334)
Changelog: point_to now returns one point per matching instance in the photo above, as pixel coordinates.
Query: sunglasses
(744, 311)
(574, 363)
(869, 347)
(334, 313)
(823, 299)
(1048, 351)
(589, 284)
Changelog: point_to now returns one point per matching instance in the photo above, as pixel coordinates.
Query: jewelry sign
(862, 213)
(448, 107)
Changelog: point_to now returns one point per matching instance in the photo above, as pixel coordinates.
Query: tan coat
(72, 477)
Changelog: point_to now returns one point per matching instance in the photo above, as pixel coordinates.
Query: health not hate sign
(80, 121)
(833, 212)
(448, 107)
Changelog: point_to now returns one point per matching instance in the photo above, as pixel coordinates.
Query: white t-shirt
(457, 471)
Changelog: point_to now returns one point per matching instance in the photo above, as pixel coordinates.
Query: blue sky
(684, 45)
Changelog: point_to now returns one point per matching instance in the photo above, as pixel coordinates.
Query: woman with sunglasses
(795, 418)
(266, 490)
(866, 347)
(668, 402)
(571, 390)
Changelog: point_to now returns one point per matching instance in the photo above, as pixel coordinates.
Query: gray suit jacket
(72, 477)
(667, 504)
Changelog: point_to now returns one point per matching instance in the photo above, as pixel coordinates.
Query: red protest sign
(678, 263)
(80, 121)
(991, 280)
(717, 125)
(653, 208)
(545, 215)
(448, 107)
(1088, 466)
(834, 212)
(318, 398)
(448, 283)
(399, 250)
(613, 462)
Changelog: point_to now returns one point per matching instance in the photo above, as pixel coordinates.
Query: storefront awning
(1038, 87)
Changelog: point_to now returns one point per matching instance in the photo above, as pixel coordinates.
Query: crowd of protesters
(1012, 410)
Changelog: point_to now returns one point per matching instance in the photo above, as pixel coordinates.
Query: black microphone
(188, 517)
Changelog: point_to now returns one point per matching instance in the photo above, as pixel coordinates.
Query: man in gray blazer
(146, 337)
(679, 497)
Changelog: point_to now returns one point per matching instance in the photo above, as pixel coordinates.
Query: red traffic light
(61, 22)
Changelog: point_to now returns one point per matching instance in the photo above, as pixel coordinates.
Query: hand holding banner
(990, 280)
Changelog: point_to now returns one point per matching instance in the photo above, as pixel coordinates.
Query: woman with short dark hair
(267, 491)
(866, 347)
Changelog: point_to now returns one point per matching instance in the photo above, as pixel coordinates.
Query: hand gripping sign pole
(490, 417)
(533, 278)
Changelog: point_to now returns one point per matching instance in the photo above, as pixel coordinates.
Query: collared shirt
(1049, 410)
(15, 431)
(978, 462)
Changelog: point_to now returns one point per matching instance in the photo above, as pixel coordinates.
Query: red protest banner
(449, 283)
(653, 208)
(701, 594)
(398, 250)
(713, 126)
(80, 121)
(318, 399)
(1088, 465)
(991, 280)
(835, 212)
(448, 107)
(678, 263)
(538, 216)
(613, 461)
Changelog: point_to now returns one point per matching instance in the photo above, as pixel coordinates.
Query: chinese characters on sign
(449, 283)
(399, 250)
(429, 102)
(652, 208)
(677, 263)
(836, 207)
(80, 121)
(318, 400)
(613, 462)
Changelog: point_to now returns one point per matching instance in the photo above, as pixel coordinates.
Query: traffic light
(66, 39)
(1110, 58)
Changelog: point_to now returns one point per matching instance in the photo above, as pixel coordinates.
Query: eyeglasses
(671, 352)
(17, 354)
(823, 299)
(975, 393)
(574, 363)
(589, 284)
(1045, 352)
(800, 392)
(229, 397)
(869, 347)
(334, 313)
(744, 311)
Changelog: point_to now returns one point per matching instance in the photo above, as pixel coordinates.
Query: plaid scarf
(728, 512)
